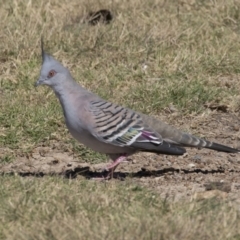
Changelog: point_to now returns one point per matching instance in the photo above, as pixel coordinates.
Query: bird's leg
(116, 162)
(112, 167)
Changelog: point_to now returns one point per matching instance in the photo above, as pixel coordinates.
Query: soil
(198, 174)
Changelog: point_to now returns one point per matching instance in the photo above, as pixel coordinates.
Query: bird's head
(52, 73)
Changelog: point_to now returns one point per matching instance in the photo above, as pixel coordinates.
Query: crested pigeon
(109, 128)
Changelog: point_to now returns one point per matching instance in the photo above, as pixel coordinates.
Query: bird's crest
(44, 55)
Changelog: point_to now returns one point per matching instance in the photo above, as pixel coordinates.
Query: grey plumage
(111, 129)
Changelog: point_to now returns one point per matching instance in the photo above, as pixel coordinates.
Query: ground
(175, 177)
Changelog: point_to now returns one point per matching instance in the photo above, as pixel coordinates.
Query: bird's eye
(51, 73)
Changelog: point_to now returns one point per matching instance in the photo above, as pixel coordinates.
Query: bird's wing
(123, 127)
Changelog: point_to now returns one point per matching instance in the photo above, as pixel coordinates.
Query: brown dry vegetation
(178, 60)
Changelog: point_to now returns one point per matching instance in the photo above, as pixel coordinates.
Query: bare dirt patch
(173, 177)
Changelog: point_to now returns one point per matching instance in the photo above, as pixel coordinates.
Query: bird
(109, 128)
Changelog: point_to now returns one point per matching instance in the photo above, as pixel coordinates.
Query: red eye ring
(51, 74)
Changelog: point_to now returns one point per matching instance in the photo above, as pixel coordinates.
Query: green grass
(189, 47)
(54, 208)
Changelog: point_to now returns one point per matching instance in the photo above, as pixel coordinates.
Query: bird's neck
(69, 95)
(63, 91)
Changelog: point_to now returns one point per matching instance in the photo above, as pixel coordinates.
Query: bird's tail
(221, 148)
(181, 139)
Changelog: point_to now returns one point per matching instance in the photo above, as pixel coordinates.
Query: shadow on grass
(88, 173)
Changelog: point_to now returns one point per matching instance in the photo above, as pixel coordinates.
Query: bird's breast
(83, 136)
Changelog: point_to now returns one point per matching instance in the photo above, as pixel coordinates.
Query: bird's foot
(114, 165)
(110, 169)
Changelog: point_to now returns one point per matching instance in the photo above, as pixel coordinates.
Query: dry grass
(191, 51)
(53, 208)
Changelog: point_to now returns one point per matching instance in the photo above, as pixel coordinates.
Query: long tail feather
(222, 148)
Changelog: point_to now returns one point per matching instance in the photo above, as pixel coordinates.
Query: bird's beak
(38, 82)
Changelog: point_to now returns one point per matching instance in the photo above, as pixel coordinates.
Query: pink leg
(112, 167)
(115, 163)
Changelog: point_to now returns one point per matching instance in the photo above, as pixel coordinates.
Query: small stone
(191, 165)
(236, 127)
